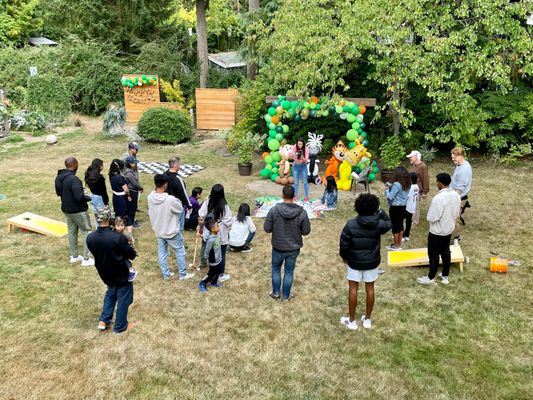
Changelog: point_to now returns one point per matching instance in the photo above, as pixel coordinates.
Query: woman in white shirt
(242, 230)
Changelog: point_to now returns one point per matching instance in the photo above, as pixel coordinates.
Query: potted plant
(248, 144)
(392, 154)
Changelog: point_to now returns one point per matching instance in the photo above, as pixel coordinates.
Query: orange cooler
(498, 264)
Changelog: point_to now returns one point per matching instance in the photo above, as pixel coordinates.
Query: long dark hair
(217, 201)
(331, 184)
(300, 139)
(116, 167)
(93, 172)
(402, 176)
(244, 211)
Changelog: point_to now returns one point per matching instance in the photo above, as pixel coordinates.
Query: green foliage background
(165, 126)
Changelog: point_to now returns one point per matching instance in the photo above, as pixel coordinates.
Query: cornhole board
(417, 257)
(37, 223)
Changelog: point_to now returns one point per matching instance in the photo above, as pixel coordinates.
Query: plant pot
(387, 175)
(245, 169)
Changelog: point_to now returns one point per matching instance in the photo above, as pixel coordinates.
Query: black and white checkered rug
(158, 168)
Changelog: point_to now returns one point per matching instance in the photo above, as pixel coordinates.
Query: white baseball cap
(415, 153)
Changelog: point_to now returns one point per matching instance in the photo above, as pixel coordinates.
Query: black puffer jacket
(360, 242)
(70, 189)
(287, 222)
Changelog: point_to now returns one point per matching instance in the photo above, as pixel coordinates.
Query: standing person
(397, 199)
(133, 149)
(95, 181)
(287, 222)
(242, 230)
(177, 188)
(164, 211)
(422, 177)
(410, 207)
(112, 253)
(213, 253)
(74, 205)
(191, 219)
(299, 167)
(442, 214)
(461, 181)
(119, 186)
(217, 205)
(360, 249)
(134, 189)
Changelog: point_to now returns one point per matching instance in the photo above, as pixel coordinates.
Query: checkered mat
(158, 168)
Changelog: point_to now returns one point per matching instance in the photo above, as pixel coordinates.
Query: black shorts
(397, 216)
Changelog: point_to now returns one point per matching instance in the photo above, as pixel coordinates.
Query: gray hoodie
(164, 211)
(287, 222)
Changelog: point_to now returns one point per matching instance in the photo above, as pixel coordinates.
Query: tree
(251, 68)
(201, 30)
(17, 20)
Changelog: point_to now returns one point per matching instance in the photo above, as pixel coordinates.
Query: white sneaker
(73, 260)
(169, 277)
(352, 325)
(87, 262)
(381, 271)
(367, 323)
(424, 280)
(405, 239)
(392, 247)
(443, 279)
(224, 278)
(185, 277)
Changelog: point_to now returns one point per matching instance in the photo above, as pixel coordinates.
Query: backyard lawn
(471, 339)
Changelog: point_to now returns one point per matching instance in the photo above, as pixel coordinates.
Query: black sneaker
(136, 224)
(246, 249)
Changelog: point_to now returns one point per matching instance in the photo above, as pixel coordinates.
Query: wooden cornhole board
(37, 223)
(417, 257)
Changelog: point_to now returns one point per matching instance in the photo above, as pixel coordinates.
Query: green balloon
(272, 133)
(364, 135)
(264, 173)
(275, 170)
(325, 113)
(306, 104)
(275, 103)
(273, 144)
(294, 104)
(286, 104)
(272, 125)
(312, 106)
(350, 118)
(273, 177)
(272, 111)
(375, 170)
(297, 118)
(268, 118)
(279, 129)
(338, 109)
(346, 109)
(351, 145)
(355, 109)
(371, 176)
(365, 143)
(276, 156)
(355, 125)
(268, 167)
(359, 118)
(279, 137)
(351, 135)
(269, 159)
(285, 128)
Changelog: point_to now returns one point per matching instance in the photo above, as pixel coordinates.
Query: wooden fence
(216, 108)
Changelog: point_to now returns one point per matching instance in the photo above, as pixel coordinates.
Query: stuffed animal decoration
(284, 166)
(315, 147)
(332, 169)
(345, 176)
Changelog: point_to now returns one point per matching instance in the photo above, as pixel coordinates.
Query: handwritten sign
(142, 94)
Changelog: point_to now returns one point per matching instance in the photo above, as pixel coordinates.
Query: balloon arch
(283, 110)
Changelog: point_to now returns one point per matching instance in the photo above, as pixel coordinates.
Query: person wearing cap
(134, 186)
(111, 253)
(74, 205)
(421, 170)
(133, 149)
(442, 214)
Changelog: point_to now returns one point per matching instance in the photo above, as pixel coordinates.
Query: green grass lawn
(469, 340)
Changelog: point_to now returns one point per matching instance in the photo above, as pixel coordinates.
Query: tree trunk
(201, 30)
(394, 112)
(251, 69)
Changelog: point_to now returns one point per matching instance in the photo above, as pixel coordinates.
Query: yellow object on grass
(38, 223)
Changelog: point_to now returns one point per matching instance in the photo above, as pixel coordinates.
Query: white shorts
(356, 275)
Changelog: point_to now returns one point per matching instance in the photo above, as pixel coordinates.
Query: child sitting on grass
(242, 230)
(329, 198)
(120, 227)
(213, 253)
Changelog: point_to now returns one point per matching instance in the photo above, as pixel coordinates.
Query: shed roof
(229, 59)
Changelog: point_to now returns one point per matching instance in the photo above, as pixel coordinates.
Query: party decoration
(314, 144)
(273, 144)
(138, 81)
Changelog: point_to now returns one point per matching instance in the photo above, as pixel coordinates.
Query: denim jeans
(224, 249)
(290, 263)
(97, 203)
(181, 219)
(176, 243)
(122, 296)
(299, 172)
(250, 237)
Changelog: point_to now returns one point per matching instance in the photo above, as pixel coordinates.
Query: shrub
(25, 120)
(114, 120)
(392, 152)
(164, 125)
(48, 94)
(249, 144)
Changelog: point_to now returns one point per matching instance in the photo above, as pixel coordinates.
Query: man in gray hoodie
(164, 211)
(287, 222)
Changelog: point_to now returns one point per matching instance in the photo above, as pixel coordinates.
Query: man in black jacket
(177, 188)
(111, 252)
(74, 206)
(360, 249)
(287, 222)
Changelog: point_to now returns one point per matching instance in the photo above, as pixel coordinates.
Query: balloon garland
(138, 81)
(284, 110)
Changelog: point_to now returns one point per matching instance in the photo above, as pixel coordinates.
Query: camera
(299, 154)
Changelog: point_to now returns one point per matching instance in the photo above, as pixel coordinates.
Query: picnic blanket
(265, 203)
(159, 167)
